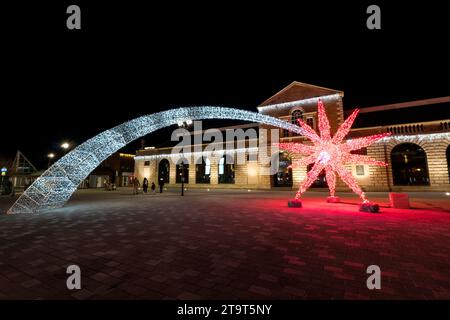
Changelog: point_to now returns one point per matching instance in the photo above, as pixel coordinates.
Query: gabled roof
(299, 91)
(21, 163)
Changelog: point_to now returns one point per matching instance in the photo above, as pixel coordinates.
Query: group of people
(145, 184)
(109, 186)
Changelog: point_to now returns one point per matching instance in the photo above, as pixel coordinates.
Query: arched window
(409, 165)
(296, 114)
(164, 170)
(448, 161)
(182, 171)
(203, 171)
(283, 177)
(226, 169)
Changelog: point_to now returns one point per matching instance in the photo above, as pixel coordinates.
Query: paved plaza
(226, 245)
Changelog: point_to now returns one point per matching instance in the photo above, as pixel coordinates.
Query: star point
(332, 153)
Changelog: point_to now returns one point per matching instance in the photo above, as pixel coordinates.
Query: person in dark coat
(161, 185)
(153, 187)
(145, 185)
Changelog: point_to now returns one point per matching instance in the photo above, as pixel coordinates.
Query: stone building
(418, 150)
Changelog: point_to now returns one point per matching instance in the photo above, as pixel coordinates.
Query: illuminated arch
(56, 185)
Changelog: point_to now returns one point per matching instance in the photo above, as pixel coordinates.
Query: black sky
(130, 59)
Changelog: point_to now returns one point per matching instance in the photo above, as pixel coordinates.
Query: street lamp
(182, 177)
(50, 156)
(65, 145)
(186, 124)
(182, 167)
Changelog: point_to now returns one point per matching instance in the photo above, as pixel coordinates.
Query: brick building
(418, 151)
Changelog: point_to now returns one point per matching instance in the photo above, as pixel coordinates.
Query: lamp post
(182, 178)
(186, 123)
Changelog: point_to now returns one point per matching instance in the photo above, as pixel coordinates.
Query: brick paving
(224, 245)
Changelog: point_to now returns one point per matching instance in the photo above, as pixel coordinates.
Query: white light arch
(56, 185)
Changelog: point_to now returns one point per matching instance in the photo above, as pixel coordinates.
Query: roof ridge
(298, 83)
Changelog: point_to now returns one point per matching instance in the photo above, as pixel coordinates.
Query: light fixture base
(333, 199)
(369, 207)
(294, 203)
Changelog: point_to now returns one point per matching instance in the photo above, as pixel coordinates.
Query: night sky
(129, 60)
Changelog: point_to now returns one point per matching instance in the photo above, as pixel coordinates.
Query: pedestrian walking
(145, 185)
(136, 185)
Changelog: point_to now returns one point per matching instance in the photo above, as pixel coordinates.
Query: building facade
(116, 171)
(417, 152)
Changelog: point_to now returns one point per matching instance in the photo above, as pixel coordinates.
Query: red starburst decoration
(332, 153)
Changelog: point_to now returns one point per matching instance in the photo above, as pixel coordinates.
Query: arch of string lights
(56, 185)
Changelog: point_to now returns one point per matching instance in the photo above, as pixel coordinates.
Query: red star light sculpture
(332, 153)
